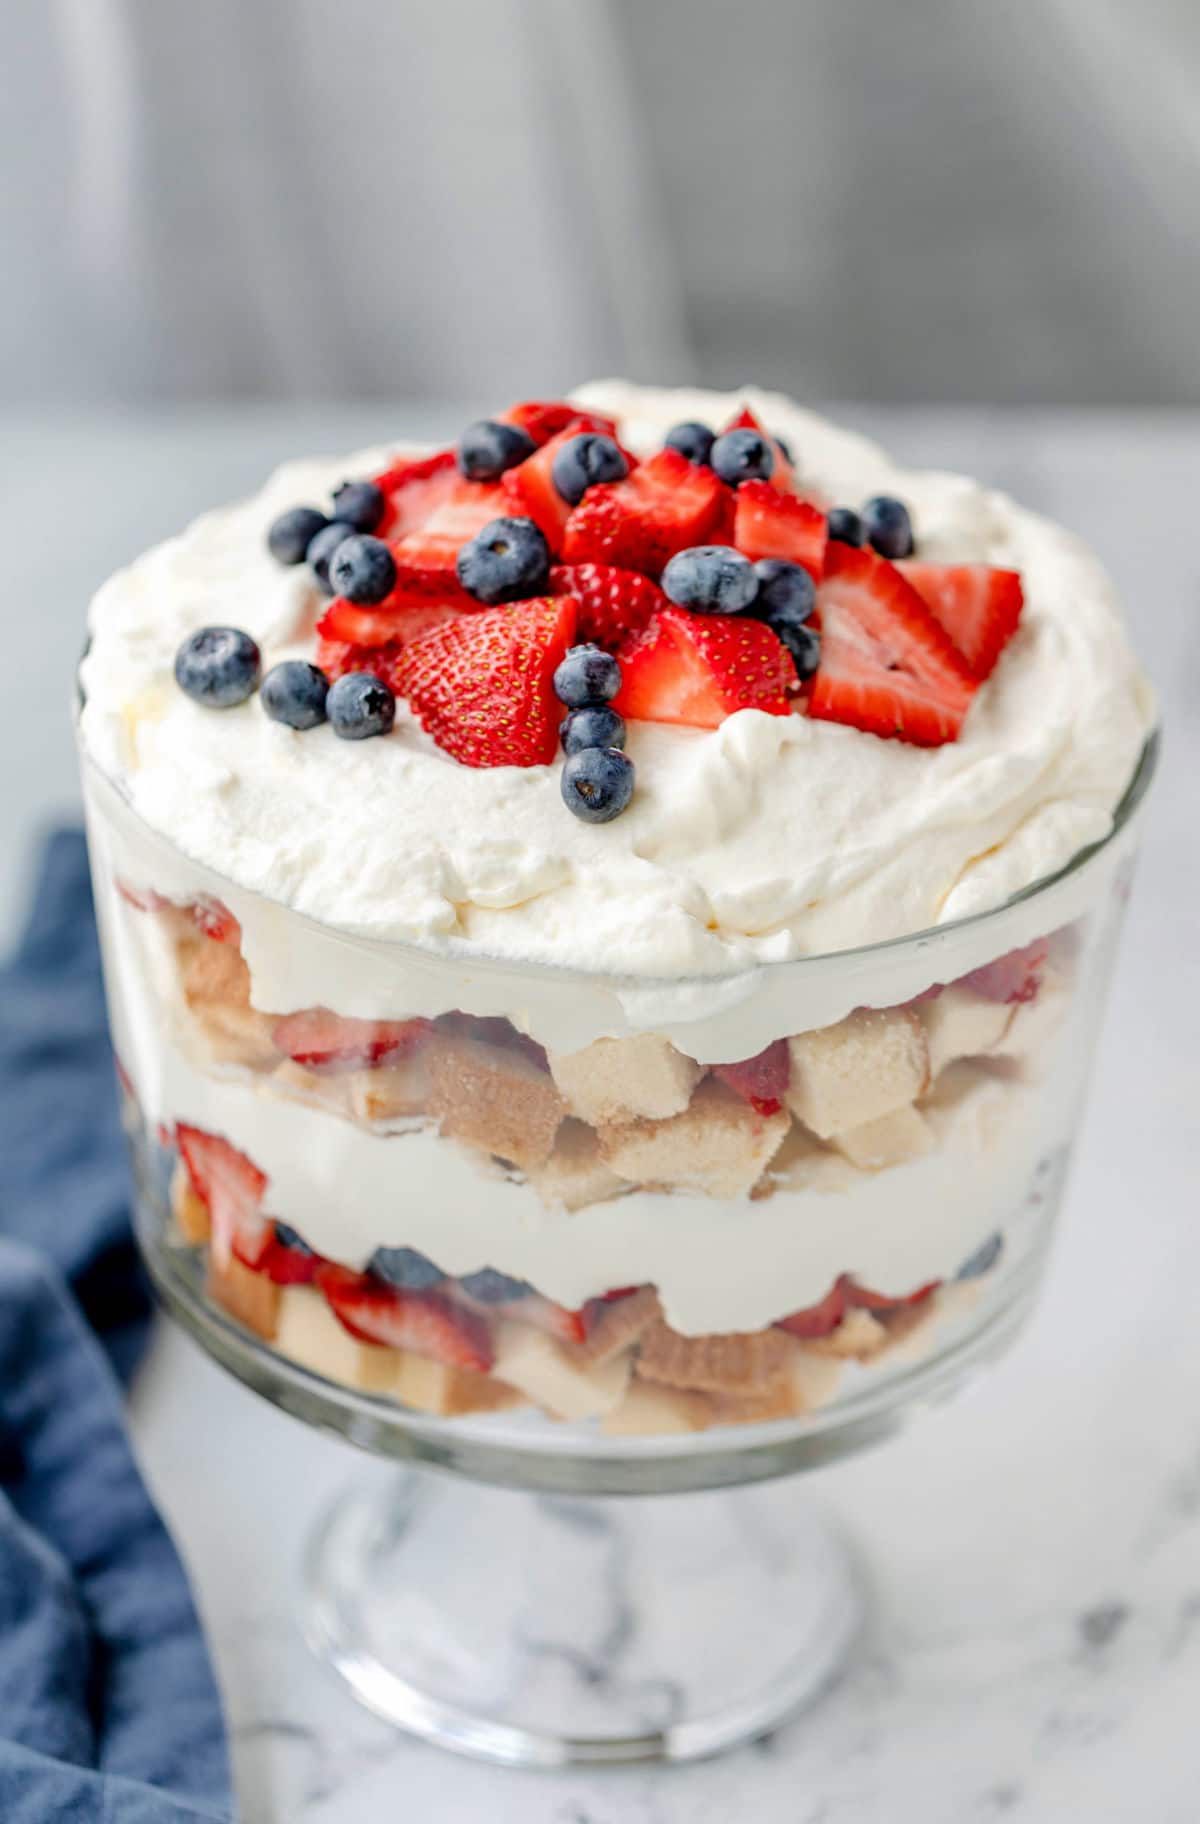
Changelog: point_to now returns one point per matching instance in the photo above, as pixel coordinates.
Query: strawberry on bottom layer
(424, 1322)
(762, 1080)
(231, 1188)
(887, 665)
(1012, 978)
(316, 1037)
(846, 1295)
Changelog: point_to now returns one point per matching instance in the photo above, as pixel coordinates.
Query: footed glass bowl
(553, 1238)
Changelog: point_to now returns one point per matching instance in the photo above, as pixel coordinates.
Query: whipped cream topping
(766, 839)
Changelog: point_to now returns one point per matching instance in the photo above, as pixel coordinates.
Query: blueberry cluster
(220, 667)
(339, 547)
(738, 455)
(716, 579)
(883, 523)
(597, 776)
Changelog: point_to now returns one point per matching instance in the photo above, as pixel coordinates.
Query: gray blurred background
(302, 200)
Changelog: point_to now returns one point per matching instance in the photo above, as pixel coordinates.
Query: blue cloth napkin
(108, 1710)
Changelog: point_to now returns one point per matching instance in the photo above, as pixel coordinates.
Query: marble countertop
(1035, 1547)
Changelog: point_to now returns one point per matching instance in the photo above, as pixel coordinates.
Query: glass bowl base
(553, 1631)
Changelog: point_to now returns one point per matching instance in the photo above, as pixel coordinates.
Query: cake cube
(310, 1334)
(959, 1023)
(250, 1297)
(780, 1401)
(888, 1140)
(575, 1174)
(392, 1092)
(719, 1146)
(1035, 1027)
(557, 1378)
(815, 1376)
(216, 987)
(649, 1409)
(434, 1387)
(804, 1163)
(873, 1061)
(189, 1210)
(620, 1323)
(614, 1080)
(735, 1363)
(858, 1337)
(493, 1097)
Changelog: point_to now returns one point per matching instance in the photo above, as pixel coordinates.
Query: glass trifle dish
(605, 928)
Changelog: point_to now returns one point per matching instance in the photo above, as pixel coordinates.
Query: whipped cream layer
(764, 840)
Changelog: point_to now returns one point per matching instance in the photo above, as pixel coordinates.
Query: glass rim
(457, 952)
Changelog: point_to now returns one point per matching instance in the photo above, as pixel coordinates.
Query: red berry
(425, 555)
(396, 620)
(316, 1037)
(613, 603)
(762, 1080)
(482, 685)
(664, 506)
(424, 1322)
(887, 666)
(818, 1320)
(977, 605)
(337, 657)
(542, 419)
(231, 1188)
(768, 523)
(529, 491)
(699, 668)
(1011, 978)
(413, 488)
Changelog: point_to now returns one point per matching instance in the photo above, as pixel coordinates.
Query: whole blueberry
(587, 674)
(597, 783)
(289, 536)
(487, 448)
(359, 504)
(218, 666)
(584, 459)
(360, 705)
(405, 1269)
(506, 562)
(362, 569)
(493, 1288)
(595, 725)
(804, 644)
(288, 1238)
(983, 1259)
(294, 693)
(322, 548)
(691, 439)
(786, 592)
(887, 526)
(743, 455)
(845, 527)
(710, 579)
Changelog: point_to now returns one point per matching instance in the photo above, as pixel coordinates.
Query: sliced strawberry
(215, 920)
(482, 685)
(612, 603)
(413, 489)
(230, 1187)
(862, 1298)
(424, 1322)
(336, 657)
(529, 491)
(282, 1263)
(542, 419)
(770, 524)
(818, 1320)
(979, 606)
(554, 1320)
(664, 506)
(782, 475)
(1011, 978)
(395, 620)
(425, 556)
(762, 1080)
(318, 1037)
(887, 666)
(699, 668)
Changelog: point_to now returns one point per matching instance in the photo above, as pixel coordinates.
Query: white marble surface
(1035, 1548)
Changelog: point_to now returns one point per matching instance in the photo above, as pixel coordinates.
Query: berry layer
(393, 839)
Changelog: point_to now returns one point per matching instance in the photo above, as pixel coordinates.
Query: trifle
(605, 922)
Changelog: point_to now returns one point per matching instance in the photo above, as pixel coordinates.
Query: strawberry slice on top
(424, 1322)
(426, 557)
(663, 506)
(482, 685)
(978, 605)
(887, 665)
(337, 657)
(396, 619)
(529, 491)
(768, 523)
(542, 419)
(613, 603)
(413, 488)
(699, 668)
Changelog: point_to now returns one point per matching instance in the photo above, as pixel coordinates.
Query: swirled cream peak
(765, 839)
